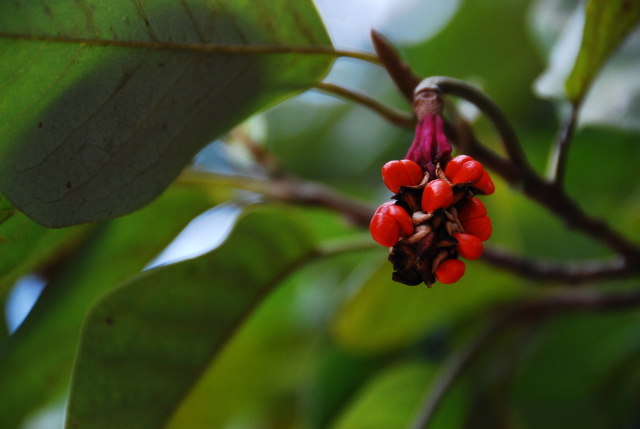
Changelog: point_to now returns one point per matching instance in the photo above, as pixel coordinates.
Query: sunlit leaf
(43, 347)
(606, 25)
(102, 105)
(145, 345)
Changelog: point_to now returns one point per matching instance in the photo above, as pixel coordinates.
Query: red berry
(389, 223)
(469, 246)
(485, 184)
(450, 271)
(471, 208)
(454, 164)
(479, 226)
(401, 173)
(437, 194)
(470, 171)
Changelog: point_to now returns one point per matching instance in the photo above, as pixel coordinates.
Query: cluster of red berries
(435, 219)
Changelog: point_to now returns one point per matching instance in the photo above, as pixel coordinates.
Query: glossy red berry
(469, 246)
(453, 165)
(471, 208)
(450, 271)
(479, 226)
(389, 223)
(485, 184)
(469, 172)
(401, 173)
(437, 194)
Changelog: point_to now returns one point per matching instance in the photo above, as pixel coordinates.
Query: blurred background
(338, 344)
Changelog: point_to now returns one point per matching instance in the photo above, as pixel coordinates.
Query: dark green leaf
(145, 345)
(102, 105)
(606, 25)
(569, 362)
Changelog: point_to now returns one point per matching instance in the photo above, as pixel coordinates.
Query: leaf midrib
(201, 47)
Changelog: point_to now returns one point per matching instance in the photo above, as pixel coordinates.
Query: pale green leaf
(606, 25)
(102, 104)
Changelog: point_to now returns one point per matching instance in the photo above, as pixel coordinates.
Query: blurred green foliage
(294, 321)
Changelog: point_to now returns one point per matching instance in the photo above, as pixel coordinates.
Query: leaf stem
(398, 69)
(560, 150)
(458, 88)
(392, 115)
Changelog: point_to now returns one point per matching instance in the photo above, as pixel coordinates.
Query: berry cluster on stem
(436, 217)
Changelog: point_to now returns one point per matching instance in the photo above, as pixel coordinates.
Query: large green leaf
(607, 23)
(36, 361)
(145, 345)
(103, 103)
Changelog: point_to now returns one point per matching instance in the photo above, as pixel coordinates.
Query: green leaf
(145, 345)
(392, 397)
(606, 25)
(126, 92)
(569, 363)
(111, 254)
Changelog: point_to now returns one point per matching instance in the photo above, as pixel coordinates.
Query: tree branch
(547, 194)
(570, 273)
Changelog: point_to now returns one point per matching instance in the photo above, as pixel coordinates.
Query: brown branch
(570, 273)
(549, 195)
